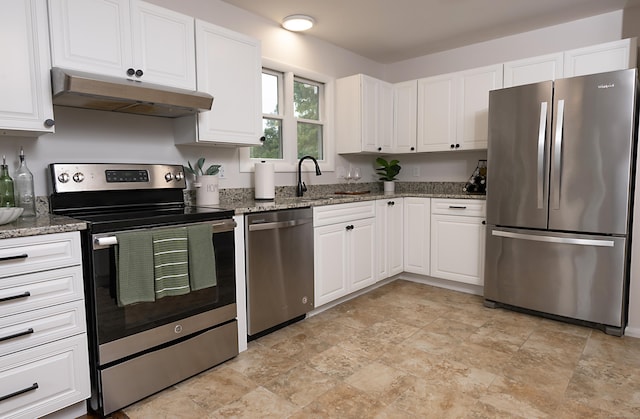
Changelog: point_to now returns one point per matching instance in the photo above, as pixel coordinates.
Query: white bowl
(8, 215)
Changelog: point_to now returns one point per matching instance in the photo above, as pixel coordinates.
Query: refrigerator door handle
(557, 157)
(542, 129)
(553, 239)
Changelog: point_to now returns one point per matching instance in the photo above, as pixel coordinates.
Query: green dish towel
(202, 259)
(134, 268)
(171, 262)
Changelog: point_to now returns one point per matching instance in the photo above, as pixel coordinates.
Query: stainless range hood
(91, 91)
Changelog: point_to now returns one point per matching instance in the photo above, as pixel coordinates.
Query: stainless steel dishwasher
(279, 260)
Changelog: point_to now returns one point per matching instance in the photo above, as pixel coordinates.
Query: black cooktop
(100, 222)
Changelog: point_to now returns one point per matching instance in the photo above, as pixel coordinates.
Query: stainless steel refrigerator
(561, 171)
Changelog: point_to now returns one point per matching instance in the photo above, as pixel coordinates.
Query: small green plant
(387, 170)
(198, 171)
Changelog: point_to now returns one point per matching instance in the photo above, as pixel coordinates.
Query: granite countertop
(42, 224)
(247, 205)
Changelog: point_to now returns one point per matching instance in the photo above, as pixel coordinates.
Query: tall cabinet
(25, 102)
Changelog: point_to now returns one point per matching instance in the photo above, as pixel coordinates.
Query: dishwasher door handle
(279, 224)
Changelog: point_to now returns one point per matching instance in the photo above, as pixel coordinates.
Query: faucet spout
(302, 188)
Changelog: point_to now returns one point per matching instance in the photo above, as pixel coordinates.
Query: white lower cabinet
(457, 240)
(344, 247)
(44, 364)
(389, 237)
(417, 235)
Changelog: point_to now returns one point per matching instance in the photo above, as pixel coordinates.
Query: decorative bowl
(8, 215)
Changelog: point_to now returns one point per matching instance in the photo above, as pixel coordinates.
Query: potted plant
(387, 172)
(206, 182)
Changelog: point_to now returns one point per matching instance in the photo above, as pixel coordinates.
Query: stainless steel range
(143, 343)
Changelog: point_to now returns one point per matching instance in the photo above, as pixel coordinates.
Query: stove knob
(179, 176)
(63, 177)
(168, 177)
(78, 177)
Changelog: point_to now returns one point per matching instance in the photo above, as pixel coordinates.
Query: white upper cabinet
(25, 103)
(124, 38)
(364, 115)
(453, 109)
(405, 104)
(533, 70)
(610, 56)
(230, 69)
(473, 106)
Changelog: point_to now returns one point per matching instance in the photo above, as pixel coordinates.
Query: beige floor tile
(338, 362)
(170, 404)
(382, 382)
(261, 364)
(301, 385)
(427, 399)
(519, 399)
(344, 402)
(260, 403)
(214, 388)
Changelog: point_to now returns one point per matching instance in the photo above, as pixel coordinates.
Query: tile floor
(408, 350)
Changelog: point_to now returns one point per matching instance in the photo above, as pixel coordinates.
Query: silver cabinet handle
(279, 224)
(557, 156)
(542, 131)
(553, 239)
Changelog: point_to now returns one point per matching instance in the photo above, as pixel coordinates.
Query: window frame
(289, 161)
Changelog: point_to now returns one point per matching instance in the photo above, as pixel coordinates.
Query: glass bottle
(23, 182)
(7, 198)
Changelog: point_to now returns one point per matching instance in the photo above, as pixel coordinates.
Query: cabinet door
(395, 236)
(417, 237)
(382, 243)
(361, 253)
(91, 35)
(457, 248)
(533, 70)
(384, 118)
(25, 102)
(436, 113)
(610, 56)
(330, 263)
(229, 67)
(371, 124)
(405, 104)
(473, 106)
(164, 46)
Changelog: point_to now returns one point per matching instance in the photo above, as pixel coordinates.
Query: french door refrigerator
(561, 175)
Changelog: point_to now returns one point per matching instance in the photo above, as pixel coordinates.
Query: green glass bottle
(7, 198)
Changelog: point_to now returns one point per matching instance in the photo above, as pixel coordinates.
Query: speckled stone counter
(247, 205)
(42, 224)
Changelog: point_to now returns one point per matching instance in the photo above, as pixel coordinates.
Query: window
(294, 118)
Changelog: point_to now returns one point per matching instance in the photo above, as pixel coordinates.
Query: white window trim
(289, 163)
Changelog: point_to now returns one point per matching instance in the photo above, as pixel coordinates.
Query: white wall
(94, 136)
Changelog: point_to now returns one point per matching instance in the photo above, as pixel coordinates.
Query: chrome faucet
(302, 188)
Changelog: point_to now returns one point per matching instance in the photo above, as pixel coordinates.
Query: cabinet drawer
(37, 327)
(465, 207)
(37, 253)
(332, 214)
(59, 370)
(19, 294)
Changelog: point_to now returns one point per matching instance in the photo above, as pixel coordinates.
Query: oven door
(125, 331)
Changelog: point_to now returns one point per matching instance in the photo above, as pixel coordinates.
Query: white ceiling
(393, 30)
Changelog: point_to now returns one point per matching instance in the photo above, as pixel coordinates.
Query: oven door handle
(217, 227)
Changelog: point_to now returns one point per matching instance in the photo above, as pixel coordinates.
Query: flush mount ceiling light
(298, 23)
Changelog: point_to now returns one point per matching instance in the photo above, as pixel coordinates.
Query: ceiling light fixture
(298, 23)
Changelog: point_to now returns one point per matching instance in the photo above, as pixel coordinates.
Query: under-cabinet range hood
(91, 91)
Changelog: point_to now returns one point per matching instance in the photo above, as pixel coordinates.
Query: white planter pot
(389, 187)
(207, 191)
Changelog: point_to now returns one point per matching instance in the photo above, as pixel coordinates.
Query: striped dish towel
(171, 262)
